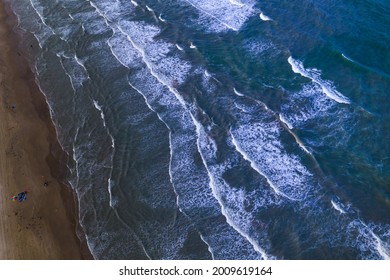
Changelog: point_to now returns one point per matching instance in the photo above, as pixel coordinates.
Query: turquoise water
(220, 129)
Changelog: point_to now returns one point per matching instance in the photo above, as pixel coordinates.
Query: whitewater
(203, 130)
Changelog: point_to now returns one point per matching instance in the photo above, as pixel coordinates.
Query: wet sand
(44, 225)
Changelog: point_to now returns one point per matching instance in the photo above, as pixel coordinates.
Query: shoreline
(45, 226)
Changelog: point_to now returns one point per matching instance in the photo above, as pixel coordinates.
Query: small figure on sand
(45, 182)
(20, 197)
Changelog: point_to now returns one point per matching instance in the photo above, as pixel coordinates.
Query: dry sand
(43, 226)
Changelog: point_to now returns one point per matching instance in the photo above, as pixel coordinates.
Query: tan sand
(43, 226)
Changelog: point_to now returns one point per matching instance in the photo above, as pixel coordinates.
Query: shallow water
(220, 129)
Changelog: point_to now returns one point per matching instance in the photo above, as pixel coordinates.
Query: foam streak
(326, 86)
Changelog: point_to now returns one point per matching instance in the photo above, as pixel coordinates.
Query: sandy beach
(44, 225)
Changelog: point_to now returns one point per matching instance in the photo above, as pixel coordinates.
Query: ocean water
(220, 129)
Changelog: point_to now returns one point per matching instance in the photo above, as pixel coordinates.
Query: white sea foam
(79, 62)
(179, 48)
(109, 187)
(40, 30)
(71, 17)
(300, 143)
(289, 129)
(315, 75)
(242, 108)
(380, 247)
(74, 184)
(99, 11)
(150, 85)
(235, 2)
(167, 68)
(237, 93)
(210, 249)
(337, 206)
(93, 24)
(256, 167)
(61, 21)
(160, 66)
(310, 107)
(368, 242)
(207, 76)
(258, 48)
(228, 14)
(161, 18)
(287, 123)
(180, 164)
(138, 78)
(154, 53)
(347, 58)
(263, 17)
(102, 116)
(66, 72)
(39, 10)
(96, 104)
(123, 51)
(216, 189)
(75, 159)
(149, 9)
(259, 143)
(77, 73)
(155, 97)
(306, 104)
(134, 3)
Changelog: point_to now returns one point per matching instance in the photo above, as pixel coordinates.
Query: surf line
(289, 127)
(263, 17)
(236, 92)
(213, 187)
(382, 251)
(367, 68)
(297, 67)
(207, 13)
(171, 178)
(337, 207)
(161, 18)
(257, 169)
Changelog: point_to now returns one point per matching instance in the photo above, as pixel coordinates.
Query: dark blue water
(226, 129)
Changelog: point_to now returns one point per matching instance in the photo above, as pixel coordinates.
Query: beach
(44, 225)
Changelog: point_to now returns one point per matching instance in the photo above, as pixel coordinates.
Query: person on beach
(20, 197)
